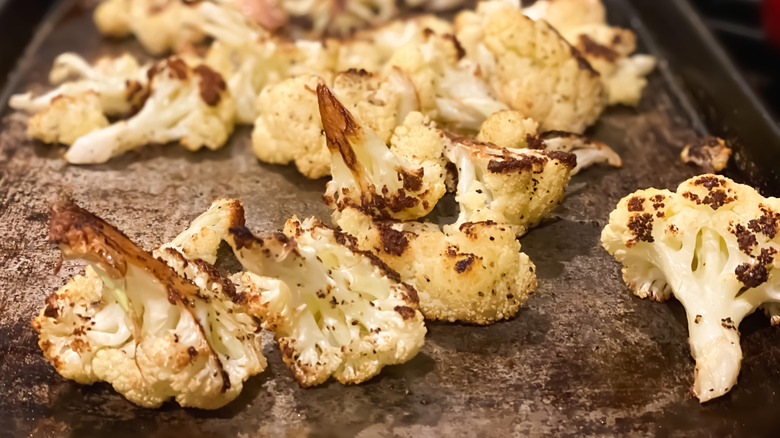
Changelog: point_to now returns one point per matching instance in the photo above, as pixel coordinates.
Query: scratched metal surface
(583, 356)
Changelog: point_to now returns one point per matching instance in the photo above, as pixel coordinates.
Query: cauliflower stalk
(404, 181)
(531, 67)
(184, 103)
(154, 331)
(514, 186)
(713, 245)
(473, 273)
(335, 311)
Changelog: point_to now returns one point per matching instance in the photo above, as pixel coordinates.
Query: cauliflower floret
(473, 273)
(67, 118)
(371, 49)
(337, 311)
(531, 67)
(607, 48)
(450, 88)
(713, 244)
(151, 330)
(159, 25)
(119, 83)
(517, 186)
(511, 130)
(366, 173)
(294, 132)
(185, 104)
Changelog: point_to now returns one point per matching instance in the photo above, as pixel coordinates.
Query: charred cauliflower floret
(159, 25)
(183, 103)
(119, 84)
(403, 182)
(713, 244)
(151, 330)
(473, 273)
(531, 67)
(518, 186)
(293, 132)
(449, 87)
(511, 130)
(608, 49)
(335, 311)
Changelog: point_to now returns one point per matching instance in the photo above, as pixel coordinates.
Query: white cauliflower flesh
(449, 87)
(531, 67)
(608, 49)
(404, 181)
(335, 311)
(153, 331)
(67, 118)
(293, 132)
(515, 186)
(118, 83)
(511, 130)
(473, 273)
(712, 244)
(159, 25)
(183, 103)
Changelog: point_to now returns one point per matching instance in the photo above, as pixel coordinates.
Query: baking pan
(582, 357)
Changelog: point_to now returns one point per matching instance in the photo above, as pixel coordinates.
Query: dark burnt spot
(192, 353)
(710, 182)
(693, 197)
(177, 68)
(697, 319)
(728, 323)
(412, 180)
(452, 251)
(428, 32)
(582, 63)
(51, 310)
(405, 312)
(243, 238)
(766, 224)
(767, 256)
(339, 126)
(516, 163)
(534, 142)
(716, 199)
(227, 286)
(470, 228)
(287, 350)
(641, 226)
(752, 274)
(745, 239)
(566, 158)
(360, 72)
(465, 264)
(710, 153)
(351, 243)
(211, 85)
(459, 50)
(393, 241)
(173, 295)
(333, 302)
(636, 203)
(133, 89)
(411, 293)
(587, 46)
(617, 39)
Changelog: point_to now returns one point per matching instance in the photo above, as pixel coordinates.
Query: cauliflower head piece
(159, 25)
(335, 311)
(608, 49)
(713, 245)
(293, 132)
(531, 67)
(473, 273)
(67, 118)
(403, 182)
(188, 104)
(154, 331)
(518, 187)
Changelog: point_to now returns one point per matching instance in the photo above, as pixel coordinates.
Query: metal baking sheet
(582, 357)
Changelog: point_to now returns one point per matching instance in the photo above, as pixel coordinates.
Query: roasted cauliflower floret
(119, 83)
(402, 182)
(449, 87)
(294, 132)
(607, 48)
(336, 311)
(473, 273)
(713, 244)
(511, 130)
(159, 25)
(531, 67)
(67, 118)
(151, 330)
(185, 104)
(518, 186)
